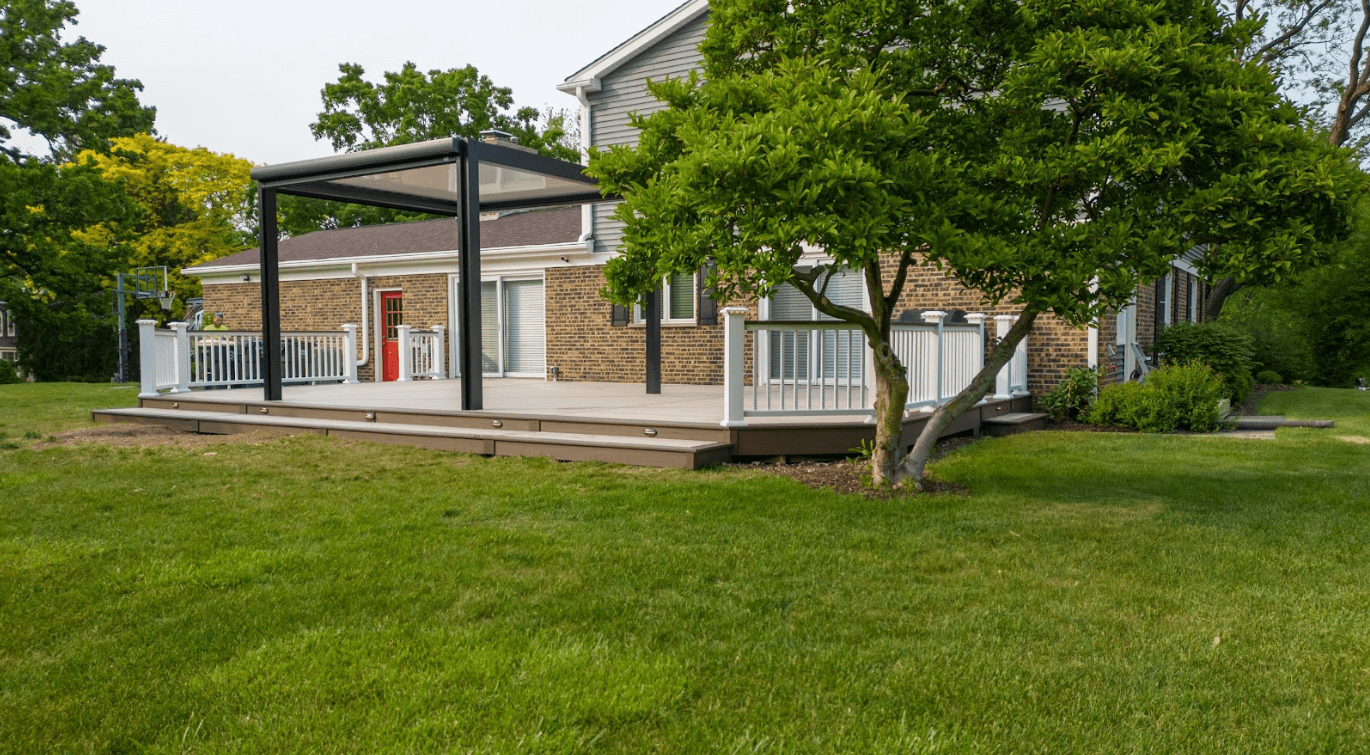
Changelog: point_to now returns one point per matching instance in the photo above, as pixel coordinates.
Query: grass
(1096, 593)
(1350, 409)
(32, 411)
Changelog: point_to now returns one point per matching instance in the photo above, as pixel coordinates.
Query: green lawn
(1096, 593)
(31, 411)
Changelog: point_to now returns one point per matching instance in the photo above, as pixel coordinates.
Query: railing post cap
(735, 310)
(349, 326)
(934, 315)
(1005, 318)
(147, 322)
(975, 318)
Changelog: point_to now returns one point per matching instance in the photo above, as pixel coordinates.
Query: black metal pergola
(455, 177)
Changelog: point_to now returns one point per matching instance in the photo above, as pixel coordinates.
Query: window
(677, 300)
(795, 355)
(1163, 299)
(513, 338)
(1193, 299)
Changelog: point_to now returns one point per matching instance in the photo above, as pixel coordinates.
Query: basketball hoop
(167, 298)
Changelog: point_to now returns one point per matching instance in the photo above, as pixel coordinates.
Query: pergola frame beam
(314, 178)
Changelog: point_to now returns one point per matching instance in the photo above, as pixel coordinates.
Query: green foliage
(51, 268)
(1069, 398)
(1115, 406)
(59, 90)
(1174, 397)
(1269, 377)
(8, 375)
(918, 130)
(409, 106)
(1280, 334)
(1225, 348)
(72, 338)
(1334, 304)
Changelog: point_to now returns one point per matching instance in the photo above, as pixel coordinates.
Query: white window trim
(640, 317)
(1168, 286)
(1192, 298)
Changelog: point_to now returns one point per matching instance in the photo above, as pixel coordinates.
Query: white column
(349, 353)
(147, 358)
(1002, 323)
(978, 320)
(936, 317)
(1020, 358)
(406, 353)
(182, 357)
(439, 363)
(734, 365)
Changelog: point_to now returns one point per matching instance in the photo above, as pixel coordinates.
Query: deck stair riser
(655, 452)
(492, 421)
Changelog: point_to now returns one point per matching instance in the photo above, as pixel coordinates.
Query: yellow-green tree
(195, 205)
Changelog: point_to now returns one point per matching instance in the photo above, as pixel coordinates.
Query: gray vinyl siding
(624, 91)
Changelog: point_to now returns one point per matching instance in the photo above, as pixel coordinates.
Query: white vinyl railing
(807, 368)
(813, 367)
(421, 353)
(179, 361)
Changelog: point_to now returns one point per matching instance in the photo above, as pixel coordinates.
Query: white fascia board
(424, 263)
(589, 76)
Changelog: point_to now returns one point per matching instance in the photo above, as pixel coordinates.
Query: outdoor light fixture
(246, 278)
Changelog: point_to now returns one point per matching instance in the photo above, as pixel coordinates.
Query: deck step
(1014, 423)
(563, 446)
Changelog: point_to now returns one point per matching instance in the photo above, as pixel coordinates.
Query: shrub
(1269, 377)
(8, 375)
(1224, 348)
(1115, 405)
(1175, 397)
(1068, 398)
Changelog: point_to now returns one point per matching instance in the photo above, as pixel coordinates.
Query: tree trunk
(1221, 290)
(915, 466)
(891, 394)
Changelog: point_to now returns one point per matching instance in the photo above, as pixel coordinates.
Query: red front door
(392, 317)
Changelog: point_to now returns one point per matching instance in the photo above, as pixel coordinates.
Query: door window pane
(489, 328)
(524, 345)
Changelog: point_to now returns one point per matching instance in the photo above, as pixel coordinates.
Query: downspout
(366, 319)
(587, 211)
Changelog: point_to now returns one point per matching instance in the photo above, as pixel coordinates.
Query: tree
(1048, 153)
(193, 205)
(60, 92)
(411, 106)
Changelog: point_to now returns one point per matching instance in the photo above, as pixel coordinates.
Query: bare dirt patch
(146, 436)
(1249, 407)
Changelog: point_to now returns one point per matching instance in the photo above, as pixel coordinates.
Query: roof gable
(588, 77)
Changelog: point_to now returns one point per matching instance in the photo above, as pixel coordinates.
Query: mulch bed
(852, 476)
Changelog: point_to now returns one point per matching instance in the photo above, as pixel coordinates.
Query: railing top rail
(258, 333)
(933, 325)
(800, 325)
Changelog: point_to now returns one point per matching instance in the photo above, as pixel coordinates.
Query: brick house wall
(584, 345)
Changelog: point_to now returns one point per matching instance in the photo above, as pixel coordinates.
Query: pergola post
(652, 311)
(468, 281)
(271, 297)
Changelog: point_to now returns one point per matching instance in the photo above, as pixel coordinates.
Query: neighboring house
(9, 337)
(543, 272)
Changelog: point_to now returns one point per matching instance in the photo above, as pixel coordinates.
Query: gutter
(366, 319)
(587, 211)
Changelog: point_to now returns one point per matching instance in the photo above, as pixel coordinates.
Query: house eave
(589, 76)
(568, 249)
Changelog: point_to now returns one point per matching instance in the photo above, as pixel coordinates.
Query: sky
(244, 76)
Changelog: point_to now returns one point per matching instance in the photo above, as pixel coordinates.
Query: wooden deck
(610, 422)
